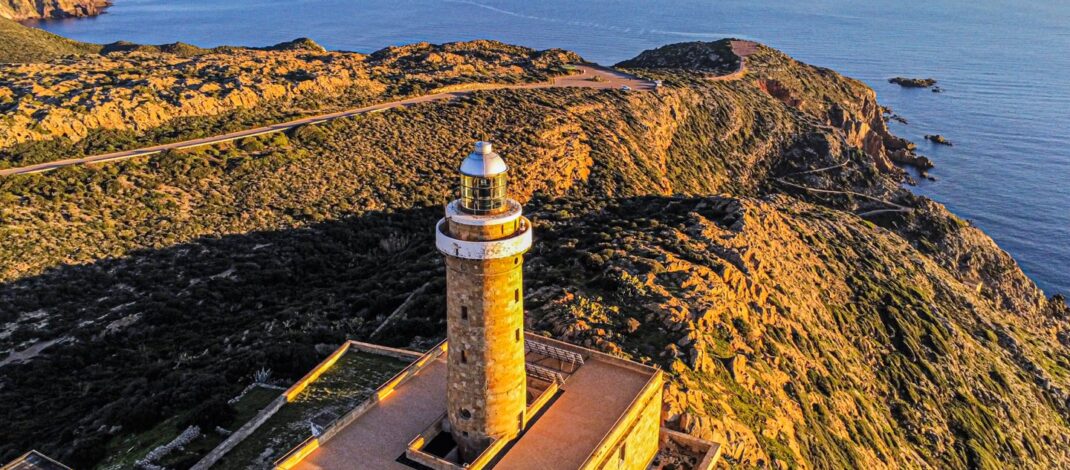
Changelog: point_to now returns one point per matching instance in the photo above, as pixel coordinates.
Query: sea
(1004, 67)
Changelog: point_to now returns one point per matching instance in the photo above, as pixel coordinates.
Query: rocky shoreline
(23, 10)
(807, 308)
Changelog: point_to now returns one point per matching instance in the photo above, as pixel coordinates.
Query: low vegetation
(131, 95)
(19, 43)
(682, 228)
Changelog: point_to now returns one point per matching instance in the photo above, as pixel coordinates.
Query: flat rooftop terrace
(574, 425)
(565, 433)
(378, 437)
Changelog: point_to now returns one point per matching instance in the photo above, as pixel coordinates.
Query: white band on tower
(517, 244)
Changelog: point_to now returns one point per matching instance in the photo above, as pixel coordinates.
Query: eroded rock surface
(19, 10)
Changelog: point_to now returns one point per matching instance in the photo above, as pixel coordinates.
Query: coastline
(1002, 161)
(787, 270)
(31, 12)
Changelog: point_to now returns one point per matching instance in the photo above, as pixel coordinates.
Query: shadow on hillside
(159, 332)
(154, 333)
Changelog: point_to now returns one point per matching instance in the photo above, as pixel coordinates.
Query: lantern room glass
(483, 195)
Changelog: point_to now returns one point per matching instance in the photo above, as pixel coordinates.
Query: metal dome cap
(483, 162)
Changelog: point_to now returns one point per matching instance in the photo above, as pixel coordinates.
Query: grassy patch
(351, 381)
(125, 452)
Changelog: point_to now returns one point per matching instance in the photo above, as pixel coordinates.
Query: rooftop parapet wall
(707, 452)
(590, 353)
(34, 460)
(295, 456)
(632, 442)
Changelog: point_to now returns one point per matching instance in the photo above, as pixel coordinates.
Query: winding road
(741, 49)
(590, 76)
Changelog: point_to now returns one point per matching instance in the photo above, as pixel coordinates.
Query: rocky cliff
(751, 236)
(20, 10)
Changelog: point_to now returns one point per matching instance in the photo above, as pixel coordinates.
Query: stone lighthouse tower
(484, 238)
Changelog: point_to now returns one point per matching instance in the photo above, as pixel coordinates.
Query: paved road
(742, 49)
(591, 76)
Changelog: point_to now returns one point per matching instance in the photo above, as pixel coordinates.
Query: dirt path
(590, 76)
(892, 207)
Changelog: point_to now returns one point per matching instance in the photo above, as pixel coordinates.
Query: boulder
(938, 139)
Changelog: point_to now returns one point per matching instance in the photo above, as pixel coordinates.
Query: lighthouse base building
(603, 413)
(491, 395)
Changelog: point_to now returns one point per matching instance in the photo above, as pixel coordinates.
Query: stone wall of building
(633, 444)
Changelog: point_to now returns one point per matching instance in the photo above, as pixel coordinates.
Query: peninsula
(714, 218)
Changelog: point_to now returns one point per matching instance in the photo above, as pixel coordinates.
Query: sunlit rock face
(746, 235)
(19, 10)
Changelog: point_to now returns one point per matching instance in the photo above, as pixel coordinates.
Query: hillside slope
(801, 336)
(20, 43)
(134, 95)
(750, 236)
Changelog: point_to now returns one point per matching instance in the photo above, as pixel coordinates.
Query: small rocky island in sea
(938, 139)
(913, 82)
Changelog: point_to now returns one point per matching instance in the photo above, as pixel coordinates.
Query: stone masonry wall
(486, 388)
(640, 439)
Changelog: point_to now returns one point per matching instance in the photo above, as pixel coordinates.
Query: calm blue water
(1005, 66)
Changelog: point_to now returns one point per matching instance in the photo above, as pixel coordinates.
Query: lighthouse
(489, 396)
(484, 237)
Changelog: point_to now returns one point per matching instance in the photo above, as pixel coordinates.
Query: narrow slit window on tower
(464, 313)
(464, 357)
(516, 295)
(516, 334)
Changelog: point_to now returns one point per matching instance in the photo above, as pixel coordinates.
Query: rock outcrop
(20, 10)
(711, 57)
(938, 139)
(802, 338)
(912, 82)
